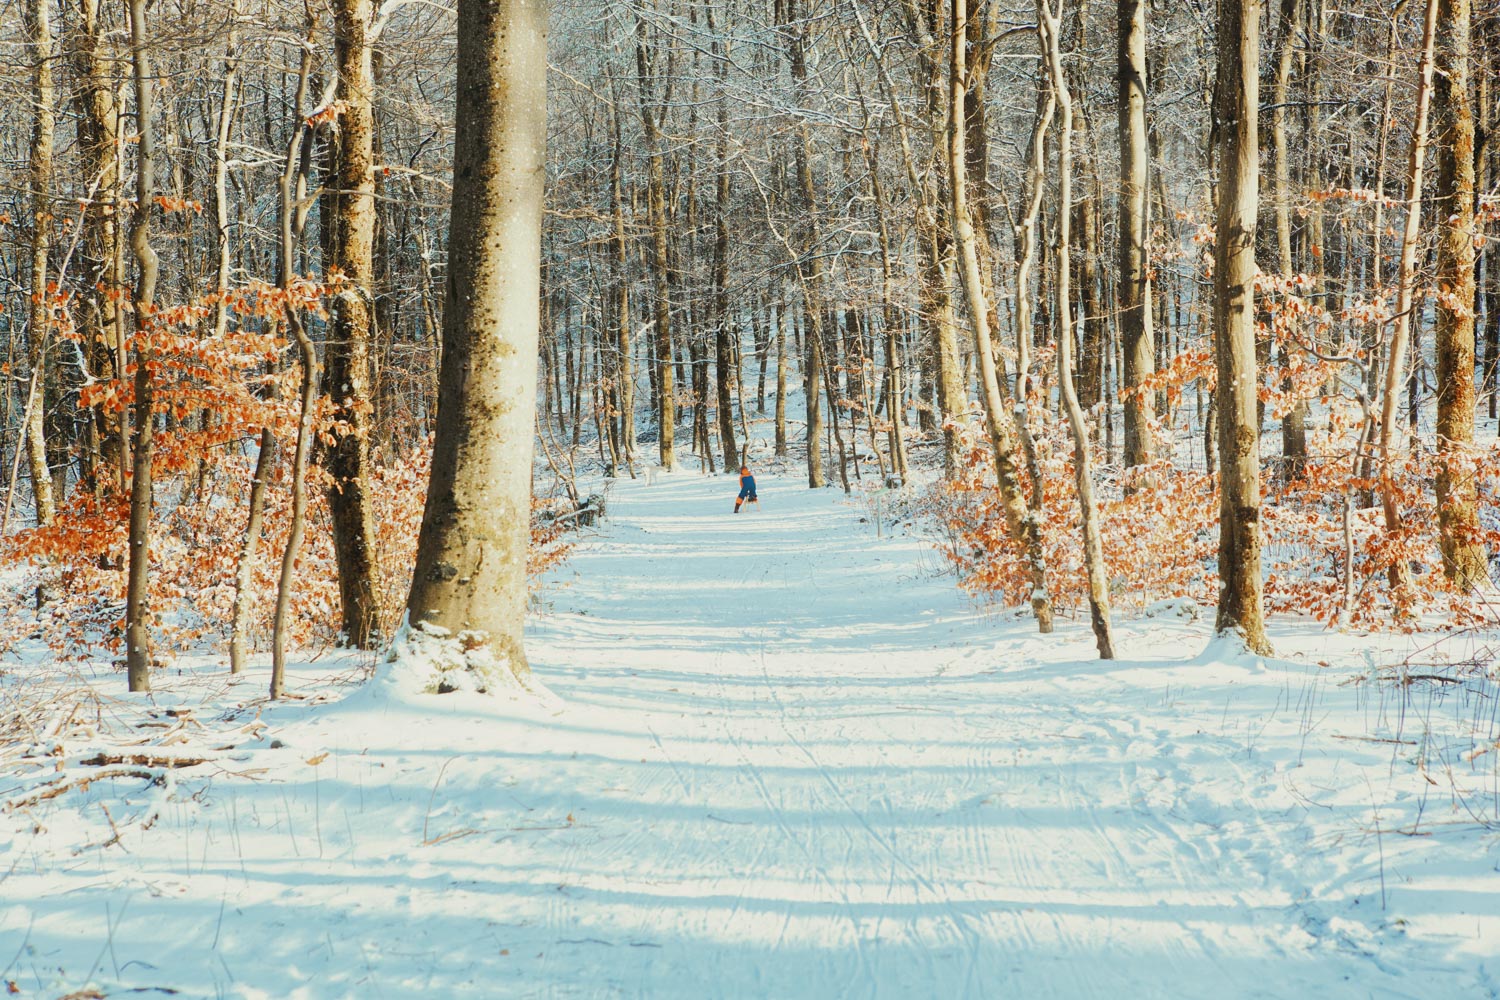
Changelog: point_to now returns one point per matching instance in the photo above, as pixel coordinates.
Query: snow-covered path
(852, 788)
(790, 762)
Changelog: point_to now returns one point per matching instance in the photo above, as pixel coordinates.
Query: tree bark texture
(1237, 102)
(138, 581)
(43, 127)
(1133, 285)
(470, 576)
(101, 320)
(1464, 560)
(351, 235)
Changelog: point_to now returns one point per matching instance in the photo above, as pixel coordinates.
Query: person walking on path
(747, 488)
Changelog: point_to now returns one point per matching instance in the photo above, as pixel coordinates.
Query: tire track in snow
(966, 935)
(1132, 849)
(752, 772)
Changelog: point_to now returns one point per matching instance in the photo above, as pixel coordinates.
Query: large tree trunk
(39, 29)
(137, 599)
(1024, 527)
(1133, 286)
(1464, 560)
(469, 582)
(1049, 28)
(1236, 107)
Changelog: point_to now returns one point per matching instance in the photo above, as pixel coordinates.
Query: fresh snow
(781, 757)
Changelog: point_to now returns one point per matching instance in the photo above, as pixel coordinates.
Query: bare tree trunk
(780, 432)
(625, 367)
(1464, 560)
(1237, 103)
(137, 600)
(810, 265)
(1091, 356)
(244, 575)
(351, 251)
(292, 182)
(1395, 369)
(1049, 26)
(1294, 423)
(1026, 248)
(1373, 373)
(225, 129)
(101, 319)
(469, 582)
(937, 269)
(310, 372)
(656, 204)
(1024, 526)
(725, 366)
(1027, 245)
(938, 352)
(1133, 285)
(39, 29)
(889, 319)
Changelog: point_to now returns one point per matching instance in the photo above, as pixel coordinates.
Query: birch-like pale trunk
(1023, 522)
(38, 27)
(1395, 369)
(228, 102)
(781, 376)
(293, 178)
(1048, 30)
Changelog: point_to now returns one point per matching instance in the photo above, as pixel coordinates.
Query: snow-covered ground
(787, 760)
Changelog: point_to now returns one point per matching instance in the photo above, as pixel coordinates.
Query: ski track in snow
(790, 762)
